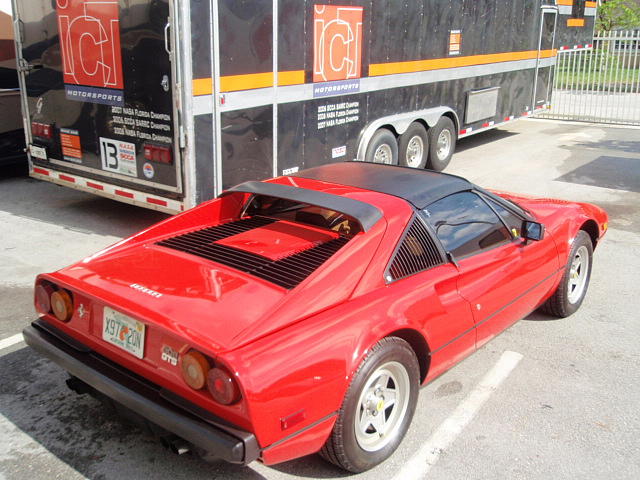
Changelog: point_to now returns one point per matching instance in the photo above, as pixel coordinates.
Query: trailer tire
(414, 146)
(382, 148)
(442, 144)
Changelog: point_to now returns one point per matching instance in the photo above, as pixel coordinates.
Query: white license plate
(38, 152)
(123, 331)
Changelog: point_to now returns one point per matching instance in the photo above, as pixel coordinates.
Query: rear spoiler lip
(366, 214)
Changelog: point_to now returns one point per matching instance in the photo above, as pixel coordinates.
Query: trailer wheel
(414, 146)
(442, 143)
(383, 148)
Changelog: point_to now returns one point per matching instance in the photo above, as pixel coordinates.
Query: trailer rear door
(98, 82)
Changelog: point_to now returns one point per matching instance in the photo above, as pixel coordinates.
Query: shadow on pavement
(482, 138)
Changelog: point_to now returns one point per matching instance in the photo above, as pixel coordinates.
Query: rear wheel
(414, 146)
(573, 287)
(383, 148)
(442, 144)
(377, 409)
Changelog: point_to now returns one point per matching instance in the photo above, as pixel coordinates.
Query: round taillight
(222, 386)
(194, 369)
(43, 297)
(62, 305)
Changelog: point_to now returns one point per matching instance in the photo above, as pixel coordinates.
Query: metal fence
(601, 84)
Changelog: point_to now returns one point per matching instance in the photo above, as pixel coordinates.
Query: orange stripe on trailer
(95, 185)
(251, 81)
(564, 2)
(41, 171)
(202, 86)
(157, 201)
(575, 22)
(293, 77)
(122, 193)
(590, 4)
(378, 69)
(67, 178)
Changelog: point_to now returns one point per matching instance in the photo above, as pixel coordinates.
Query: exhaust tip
(175, 444)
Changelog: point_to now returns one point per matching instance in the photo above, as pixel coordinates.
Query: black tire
(414, 146)
(343, 448)
(439, 156)
(566, 300)
(380, 139)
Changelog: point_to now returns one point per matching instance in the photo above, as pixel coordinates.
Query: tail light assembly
(157, 153)
(42, 130)
(50, 299)
(198, 373)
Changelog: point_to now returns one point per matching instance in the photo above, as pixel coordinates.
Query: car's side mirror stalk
(452, 259)
(532, 230)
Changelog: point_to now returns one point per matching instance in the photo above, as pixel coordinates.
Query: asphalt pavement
(546, 399)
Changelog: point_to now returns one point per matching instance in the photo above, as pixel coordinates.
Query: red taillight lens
(222, 387)
(42, 130)
(43, 297)
(194, 369)
(62, 305)
(157, 153)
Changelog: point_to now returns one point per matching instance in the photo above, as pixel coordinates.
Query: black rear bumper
(156, 404)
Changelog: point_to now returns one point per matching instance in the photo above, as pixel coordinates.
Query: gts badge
(169, 355)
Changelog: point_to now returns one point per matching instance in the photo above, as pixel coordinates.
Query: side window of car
(513, 221)
(465, 224)
(416, 252)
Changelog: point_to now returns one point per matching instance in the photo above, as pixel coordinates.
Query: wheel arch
(591, 227)
(419, 346)
(399, 123)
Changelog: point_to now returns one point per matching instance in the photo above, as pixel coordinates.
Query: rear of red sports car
(149, 322)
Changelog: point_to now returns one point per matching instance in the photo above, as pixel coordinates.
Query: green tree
(618, 14)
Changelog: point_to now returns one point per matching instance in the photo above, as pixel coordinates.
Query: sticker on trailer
(118, 156)
(38, 152)
(70, 142)
(91, 53)
(148, 171)
(339, 152)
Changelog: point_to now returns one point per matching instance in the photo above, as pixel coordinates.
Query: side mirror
(533, 230)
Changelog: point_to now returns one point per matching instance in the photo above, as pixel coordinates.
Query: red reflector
(41, 171)
(157, 153)
(95, 185)
(124, 194)
(292, 420)
(67, 179)
(156, 201)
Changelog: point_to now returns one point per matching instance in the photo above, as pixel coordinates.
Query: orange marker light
(194, 369)
(62, 305)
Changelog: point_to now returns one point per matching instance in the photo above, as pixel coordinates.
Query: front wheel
(442, 144)
(382, 148)
(377, 409)
(573, 287)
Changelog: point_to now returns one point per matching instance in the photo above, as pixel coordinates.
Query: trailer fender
(400, 122)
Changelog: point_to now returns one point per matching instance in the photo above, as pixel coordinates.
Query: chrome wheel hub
(383, 154)
(444, 144)
(382, 406)
(415, 152)
(578, 274)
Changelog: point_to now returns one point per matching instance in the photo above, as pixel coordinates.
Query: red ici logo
(337, 34)
(90, 43)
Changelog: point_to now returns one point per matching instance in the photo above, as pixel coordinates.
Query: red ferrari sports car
(301, 314)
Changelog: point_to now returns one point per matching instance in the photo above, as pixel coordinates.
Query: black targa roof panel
(366, 214)
(418, 187)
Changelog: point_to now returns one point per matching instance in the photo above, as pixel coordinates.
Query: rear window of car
(283, 209)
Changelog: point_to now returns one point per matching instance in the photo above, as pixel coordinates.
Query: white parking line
(12, 340)
(425, 458)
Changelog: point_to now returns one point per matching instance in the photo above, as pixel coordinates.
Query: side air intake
(416, 253)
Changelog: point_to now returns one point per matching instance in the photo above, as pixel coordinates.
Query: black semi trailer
(165, 103)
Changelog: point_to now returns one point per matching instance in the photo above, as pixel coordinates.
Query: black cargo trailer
(165, 103)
